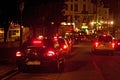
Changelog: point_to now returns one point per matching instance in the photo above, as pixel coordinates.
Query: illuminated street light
(92, 23)
(52, 23)
(111, 22)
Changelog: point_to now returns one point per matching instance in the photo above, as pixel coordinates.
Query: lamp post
(21, 7)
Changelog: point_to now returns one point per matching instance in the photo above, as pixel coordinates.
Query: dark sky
(9, 9)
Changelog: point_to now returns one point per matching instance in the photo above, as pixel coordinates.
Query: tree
(43, 12)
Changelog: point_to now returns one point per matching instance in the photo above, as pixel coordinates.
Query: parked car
(117, 48)
(40, 53)
(104, 43)
(65, 46)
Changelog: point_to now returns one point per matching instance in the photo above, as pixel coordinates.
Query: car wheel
(22, 68)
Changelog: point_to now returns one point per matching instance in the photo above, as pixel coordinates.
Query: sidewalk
(5, 69)
(7, 60)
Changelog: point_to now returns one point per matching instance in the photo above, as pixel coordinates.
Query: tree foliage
(43, 12)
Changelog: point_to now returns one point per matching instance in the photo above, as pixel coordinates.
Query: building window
(66, 7)
(105, 12)
(77, 17)
(71, 18)
(84, 18)
(76, 7)
(71, 7)
(84, 7)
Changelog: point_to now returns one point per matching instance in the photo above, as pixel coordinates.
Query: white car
(104, 43)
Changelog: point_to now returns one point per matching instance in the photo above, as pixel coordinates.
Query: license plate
(33, 63)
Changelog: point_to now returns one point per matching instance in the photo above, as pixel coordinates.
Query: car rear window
(105, 38)
(39, 43)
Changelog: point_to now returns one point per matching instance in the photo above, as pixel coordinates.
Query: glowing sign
(84, 27)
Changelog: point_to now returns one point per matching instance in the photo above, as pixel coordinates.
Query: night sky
(9, 9)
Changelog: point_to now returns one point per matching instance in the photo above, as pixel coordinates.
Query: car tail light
(104, 35)
(18, 54)
(50, 53)
(37, 42)
(113, 45)
(64, 46)
(55, 39)
(118, 43)
(96, 44)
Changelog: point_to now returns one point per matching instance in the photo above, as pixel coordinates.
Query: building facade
(86, 13)
(115, 12)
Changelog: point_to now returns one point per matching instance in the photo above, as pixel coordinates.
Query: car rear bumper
(107, 52)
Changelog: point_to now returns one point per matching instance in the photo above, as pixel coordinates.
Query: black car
(40, 53)
(117, 48)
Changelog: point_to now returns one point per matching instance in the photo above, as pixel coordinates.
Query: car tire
(22, 68)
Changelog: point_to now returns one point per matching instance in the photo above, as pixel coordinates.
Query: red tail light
(104, 35)
(118, 43)
(113, 45)
(37, 42)
(50, 53)
(55, 39)
(64, 46)
(18, 54)
(96, 44)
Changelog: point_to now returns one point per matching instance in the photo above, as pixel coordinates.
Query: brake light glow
(55, 39)
(50, 53)
(113, 45)
(118, 43)
(96, 44)
(104, 35)
(64, 46)
(18, 54)
(37, 41)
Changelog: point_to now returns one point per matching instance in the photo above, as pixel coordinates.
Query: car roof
(105, 38)
(39, 42)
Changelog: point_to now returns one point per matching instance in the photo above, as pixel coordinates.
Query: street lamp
(21, 7)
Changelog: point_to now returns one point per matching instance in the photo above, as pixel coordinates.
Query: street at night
(59, 40)
(81, 65)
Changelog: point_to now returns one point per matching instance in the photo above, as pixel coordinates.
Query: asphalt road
(7, 55)
(81, 65)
